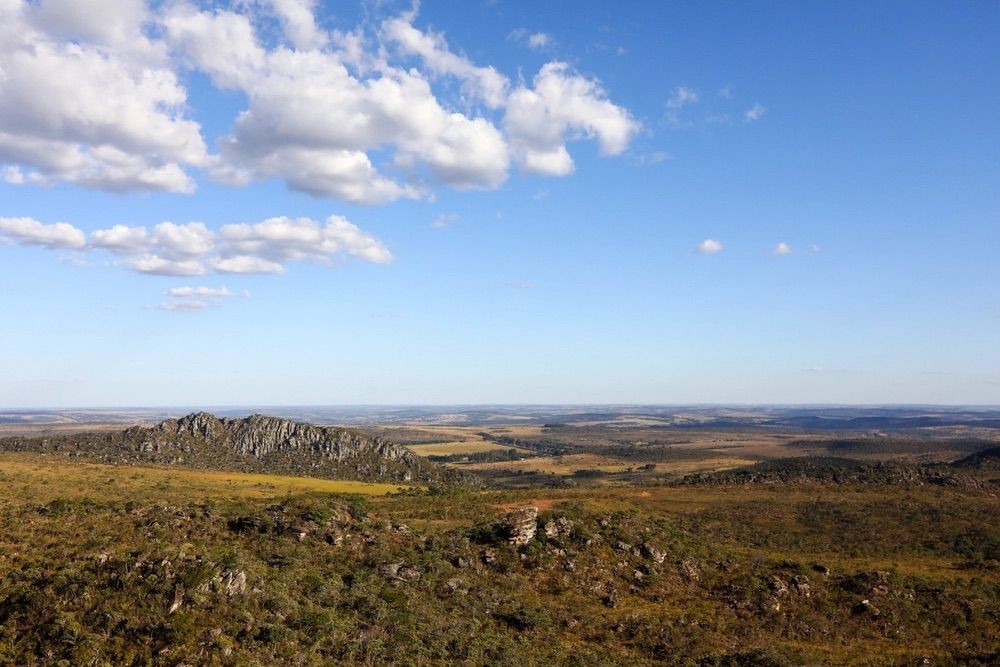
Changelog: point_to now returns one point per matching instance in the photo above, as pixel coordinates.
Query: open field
(38, 478)
(452, 448)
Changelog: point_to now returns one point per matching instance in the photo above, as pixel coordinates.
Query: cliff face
(260, 436)
(252, 444)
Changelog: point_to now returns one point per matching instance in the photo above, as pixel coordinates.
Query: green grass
(92, 557)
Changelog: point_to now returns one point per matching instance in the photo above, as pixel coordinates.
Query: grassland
(132, 566)
(455, 447)
(40, 478)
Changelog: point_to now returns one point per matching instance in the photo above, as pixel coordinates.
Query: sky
(289, 202)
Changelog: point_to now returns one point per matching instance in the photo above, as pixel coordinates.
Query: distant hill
(834, 470)
(988, 459)
(253, 444)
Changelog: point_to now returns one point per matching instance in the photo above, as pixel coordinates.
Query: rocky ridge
(253, 444)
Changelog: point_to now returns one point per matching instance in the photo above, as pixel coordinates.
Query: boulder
(519, 526)
(557, 528)
(653, 553)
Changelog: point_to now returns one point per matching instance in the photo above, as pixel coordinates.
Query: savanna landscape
(545, 544)
(499, 333)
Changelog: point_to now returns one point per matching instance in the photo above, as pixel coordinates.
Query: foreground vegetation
(103, 565)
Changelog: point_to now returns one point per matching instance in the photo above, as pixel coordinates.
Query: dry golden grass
(40, 478)
(460, 447)
(570, 463)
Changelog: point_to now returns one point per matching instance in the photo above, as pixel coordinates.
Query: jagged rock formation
(252, 444)
(520, 525)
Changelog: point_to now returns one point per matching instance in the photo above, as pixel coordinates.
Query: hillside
(252, 444)
(849, 471)
(163, 566)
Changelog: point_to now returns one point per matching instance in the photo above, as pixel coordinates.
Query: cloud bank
(192, 249)
(94, 94)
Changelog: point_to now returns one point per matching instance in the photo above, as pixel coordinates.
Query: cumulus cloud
(246, 264)
(754, 113)
(709, 247)
(485, 83)
(86, 98)
(93, 94)
(561, 105)
(286, 239)
(28, 231)
(299, 22)
(171, 249)
(782, 249)
(161, 266)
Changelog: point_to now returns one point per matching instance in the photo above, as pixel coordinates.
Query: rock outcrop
(519, 526)
(253, 444)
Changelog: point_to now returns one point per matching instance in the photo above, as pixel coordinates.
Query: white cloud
(92, 93)
(682, 96)
(187, 249)
(285, 239)
(161, 266)
(709, 247)
(207, 292)
(121, 240)
(754, 113)
(86, 98)
(299, 21)
(445, 220)
(184, 306)
(562, 105)
(169, 250)
(312, 123)
(782, 249)
(539, 40)
(190, 240)
(484, 83)
(28, 231)
(247, 264)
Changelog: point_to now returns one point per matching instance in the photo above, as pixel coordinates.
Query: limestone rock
(234, 582)
(557, 528)
(519, 526)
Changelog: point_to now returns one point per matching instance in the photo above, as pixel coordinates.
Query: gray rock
(557, 528)
(653, 553)
(520, 525)
(690, 569)
(177, 600)
(234, 582)
(800, 583)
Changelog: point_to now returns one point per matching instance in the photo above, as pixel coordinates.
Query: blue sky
(468, 261)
